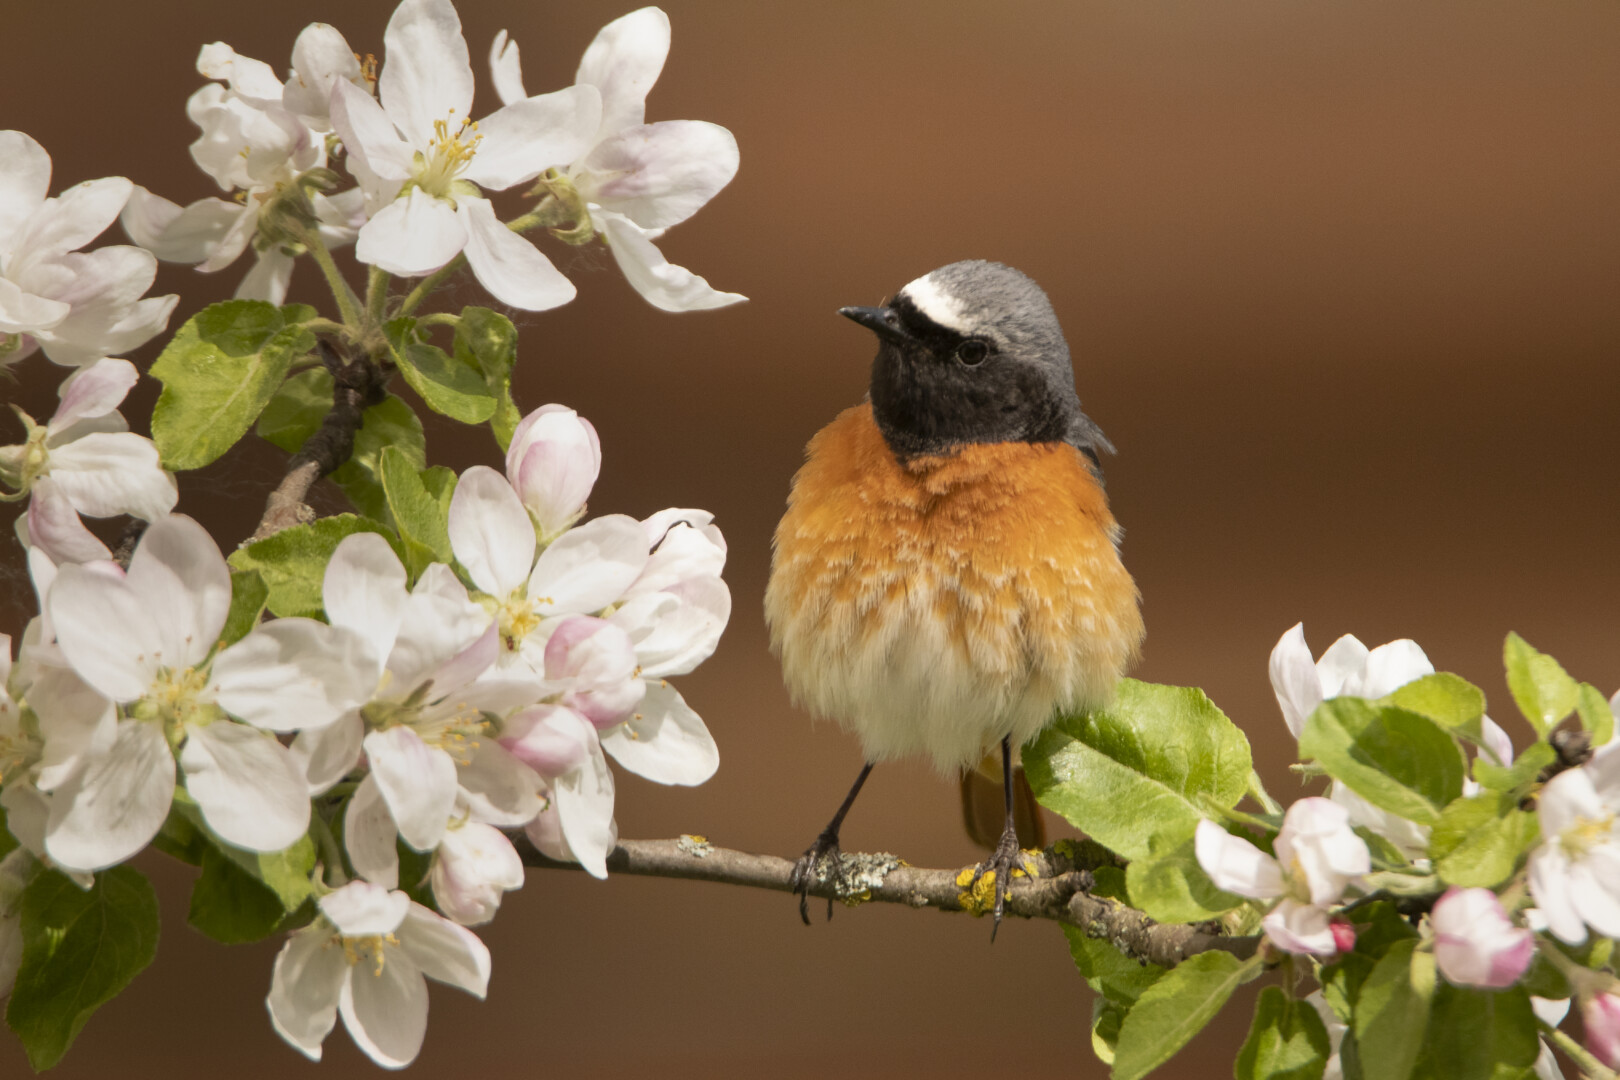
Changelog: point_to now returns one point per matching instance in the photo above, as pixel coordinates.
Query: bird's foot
(807, 869)
(999, 868)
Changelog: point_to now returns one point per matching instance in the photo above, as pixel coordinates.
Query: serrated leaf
(1539, 684)
(1392, 1012)
(295, 411)
(1596, 715)
(1479, 841)
(446, 385)
(1449, 700)
(1287, 1040)
(1134, 775)
(299, 313)
(218, 372)
(1394, 758)
(248, 596)
(418, 515)
(389, 424)
(1524, 771)
(1108, 971)
(293, 561)
(1173, 888)
(1479, 1035)
(80, 948)
(487, 340)
(1175, 1008)
(231, 905)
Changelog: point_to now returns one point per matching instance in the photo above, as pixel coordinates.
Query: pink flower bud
(1344, 935)
(1601, 1015)
(473, 866)
(596, 662)
(550, 739)
(1475, 943)
(552, 463)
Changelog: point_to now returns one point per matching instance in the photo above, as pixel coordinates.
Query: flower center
(518, 620)
(174, 700)
(1586, 834)
(371, 950)
(453, 727)
(447, 155)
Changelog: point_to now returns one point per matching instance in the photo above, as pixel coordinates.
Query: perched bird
(947, 574)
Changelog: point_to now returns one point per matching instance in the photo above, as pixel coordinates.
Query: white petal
(664, 741)
(510, 267)
(418, 781)
(93, 391)
(1294, 679)
(294, 673)
(1388, 668)
(490, 532)
(250, 792)
(506, 69)
(385, 1007)
(682, 630)
(106, 632)
(25, 179)
(426, 74)
(584, 800)
(368, 836)
(53, 526)
(412, 236)
(363, 909)
(320, 58)
(446, 952)
(110, 810)
(248, 77)
(180, 577)
(364, 590)
(1594, 886)
(525, 138)
(589, 567)
(28, 814)
(552, 463)
(1301, 929)
(474, 865)
(70, 221)
(369, 134)
(661, 283)
(326, 755)
(658, 175)
(76, 723)
(268, 279)
(108, 473)
(175, 234)
(22, 312)
(1343, 658)
(304, 987)
(685, 544)
(450, 653)
(623, 62)
(550, 739)
(499, 789)
(1236, 865)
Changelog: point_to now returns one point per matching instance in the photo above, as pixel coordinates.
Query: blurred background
(1341, 280)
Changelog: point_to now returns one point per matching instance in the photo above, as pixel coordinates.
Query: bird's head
(972, 353)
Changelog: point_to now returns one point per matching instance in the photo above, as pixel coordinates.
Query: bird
(946, 578)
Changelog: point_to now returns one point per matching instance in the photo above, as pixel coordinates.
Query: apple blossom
(1475, 943)
(144, 640)
(1575, 871)
(1318, 857)
(77, 306)
(473, 866)
(1600, 1014)
(366, 957)
(552, 463)
(576, 820)
(423, 163)
(636, 179)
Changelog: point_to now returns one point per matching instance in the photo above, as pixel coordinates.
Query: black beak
(882, 321)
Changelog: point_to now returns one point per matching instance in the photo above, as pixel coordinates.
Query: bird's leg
(804, 871)
(1000, 863)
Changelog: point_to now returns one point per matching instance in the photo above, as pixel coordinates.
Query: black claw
(1000, 863)
(804, 872)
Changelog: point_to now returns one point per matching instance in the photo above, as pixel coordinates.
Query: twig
(1056, 891)
(356, 386)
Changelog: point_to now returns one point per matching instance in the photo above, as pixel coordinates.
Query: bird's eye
(972, 352)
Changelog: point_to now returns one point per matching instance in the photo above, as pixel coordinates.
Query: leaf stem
(347, 302)
(376, 294)
(1590, 1066)
(331, 854)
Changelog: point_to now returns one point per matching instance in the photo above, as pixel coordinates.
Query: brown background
(1340, 280)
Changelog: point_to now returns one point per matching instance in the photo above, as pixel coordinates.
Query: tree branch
(1056, 891)
(356, 386)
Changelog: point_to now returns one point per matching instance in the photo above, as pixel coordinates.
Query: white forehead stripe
(935, 303)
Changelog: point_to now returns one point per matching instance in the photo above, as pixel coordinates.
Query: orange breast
(934, 607)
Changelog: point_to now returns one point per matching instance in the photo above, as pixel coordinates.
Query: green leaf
(389, 424)
(1524, 771)
(80, 948)
(248, 596)
(1287, 1040)
(445, 384)
(180, 838)
(1110, 884)
(1134, 775)
(418, 515)
(487, 341)
(295, 411)
(299, 313)
(293, 561)
(218, 372)
(1545, 980)
(1392, 1012)
(1175, 1008)
(1108, 971)
(1596, 716)
(231, 905)
(8, 843)
(1173, 888)
(1106, 1018)
(1392, 757)
(1449, 700)
(1479, 1035)
(1479, 841)
(1379, 926)
(1539, 684)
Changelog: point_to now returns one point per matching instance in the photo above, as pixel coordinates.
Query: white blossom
(1475, 943)
(552, 463)
(1574, 872)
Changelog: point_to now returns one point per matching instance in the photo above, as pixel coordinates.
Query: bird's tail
(984, 812)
